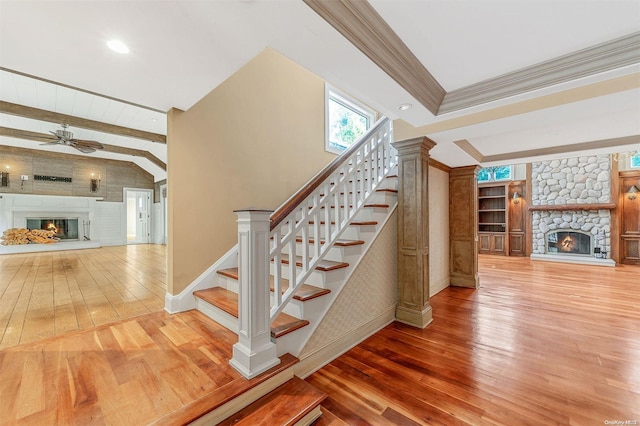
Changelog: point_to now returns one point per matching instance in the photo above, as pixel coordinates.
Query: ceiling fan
(65, 137)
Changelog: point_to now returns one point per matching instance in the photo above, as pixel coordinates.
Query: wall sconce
(631, 193)
(94, 184)
(516, 198)
(4, 177)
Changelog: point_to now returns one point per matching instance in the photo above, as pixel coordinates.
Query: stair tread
(285, 405)
(305, 291)
(354, 222)
(323, 265)
(372, 205)
(328, 419)
(227, 301)
(340, 243)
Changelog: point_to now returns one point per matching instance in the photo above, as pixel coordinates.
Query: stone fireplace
(571, 202)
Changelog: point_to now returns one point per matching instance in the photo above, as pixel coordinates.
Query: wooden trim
(294, 201)
(438, 165)
(54, 117)
(593, 60)
(361, 24)
(629, 174)
(40, 137)
(573, 207)
(614, 190)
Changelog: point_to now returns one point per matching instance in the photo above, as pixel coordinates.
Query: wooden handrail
(294, 201)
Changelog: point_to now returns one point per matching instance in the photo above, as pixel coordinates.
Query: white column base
(250, 364)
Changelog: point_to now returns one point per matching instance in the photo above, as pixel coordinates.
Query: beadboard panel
(114, 175)
(110, 228)
(371, 291)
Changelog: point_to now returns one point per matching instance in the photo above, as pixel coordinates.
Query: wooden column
(463, 226)
(413, 231)
(254, 352)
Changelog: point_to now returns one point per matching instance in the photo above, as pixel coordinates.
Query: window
(635, 161)
(346, 120)
(495, 173)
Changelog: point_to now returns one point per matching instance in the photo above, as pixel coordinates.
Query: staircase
(302, 256)
(293, 327)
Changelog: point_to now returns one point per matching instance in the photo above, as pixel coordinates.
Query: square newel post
(254, 352)
(413, 231)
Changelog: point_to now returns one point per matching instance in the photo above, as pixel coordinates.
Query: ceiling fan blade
(86, 144)
(83, 149)
(51, 143)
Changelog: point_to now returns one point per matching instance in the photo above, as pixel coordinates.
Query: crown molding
(359, 23)
(614, 54)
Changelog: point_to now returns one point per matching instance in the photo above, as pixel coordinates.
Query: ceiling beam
(83, 123)
(359, 23)
(40, 137)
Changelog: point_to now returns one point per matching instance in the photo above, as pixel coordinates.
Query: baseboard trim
(330, 351)
(185, 300)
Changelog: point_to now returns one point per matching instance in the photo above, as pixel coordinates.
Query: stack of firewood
(16, 236)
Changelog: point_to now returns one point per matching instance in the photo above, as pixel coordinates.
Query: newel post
(254, 352)
(413, 231)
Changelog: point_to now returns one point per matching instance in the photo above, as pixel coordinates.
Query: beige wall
(251, 142)
(438, 230)
(114, 175)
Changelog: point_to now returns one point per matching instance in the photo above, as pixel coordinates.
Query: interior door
(138, 217)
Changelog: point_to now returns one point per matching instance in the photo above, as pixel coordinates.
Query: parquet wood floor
(537, 344)
(49, 294)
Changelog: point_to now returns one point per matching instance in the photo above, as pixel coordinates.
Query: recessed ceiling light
(118, 46)
(404, 107)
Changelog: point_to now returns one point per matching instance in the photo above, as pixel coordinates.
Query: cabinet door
(484, 243)
(498, 243)
(516, 244)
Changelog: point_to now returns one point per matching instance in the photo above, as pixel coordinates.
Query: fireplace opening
(569, 242)
(65, 228)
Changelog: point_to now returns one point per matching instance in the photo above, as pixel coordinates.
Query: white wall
(108, 227)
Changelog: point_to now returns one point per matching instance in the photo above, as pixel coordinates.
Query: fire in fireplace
(65, 228)
(569, 242)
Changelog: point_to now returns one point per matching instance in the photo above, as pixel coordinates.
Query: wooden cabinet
(517, 218)
(492, 218)
(629, 218)
(502, 218)
(491, 243)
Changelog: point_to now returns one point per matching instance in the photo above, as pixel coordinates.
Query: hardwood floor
(49, 294)
(537, 344)
(155, 368)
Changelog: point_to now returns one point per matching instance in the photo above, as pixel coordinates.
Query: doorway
(138, 207)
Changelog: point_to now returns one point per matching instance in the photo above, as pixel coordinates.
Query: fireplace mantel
(573, 207)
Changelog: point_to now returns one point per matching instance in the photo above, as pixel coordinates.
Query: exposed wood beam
(359, 23)
(83, 123)
(42, 137)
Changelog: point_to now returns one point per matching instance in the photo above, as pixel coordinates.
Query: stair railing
(300, 233)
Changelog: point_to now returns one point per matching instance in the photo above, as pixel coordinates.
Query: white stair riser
(317, 278)
(218, 315)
